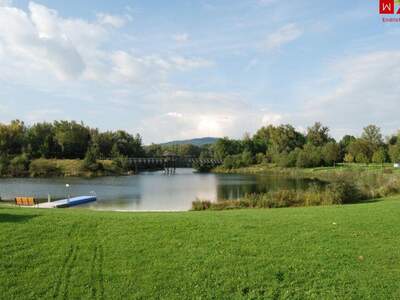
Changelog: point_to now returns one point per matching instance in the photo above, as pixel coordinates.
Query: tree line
(282, 145)
(287, 147)
(20, 144)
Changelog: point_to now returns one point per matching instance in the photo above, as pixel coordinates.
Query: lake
(150, 191)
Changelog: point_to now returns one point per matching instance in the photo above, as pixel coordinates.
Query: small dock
(67, 202)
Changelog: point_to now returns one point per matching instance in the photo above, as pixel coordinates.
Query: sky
(193, 68)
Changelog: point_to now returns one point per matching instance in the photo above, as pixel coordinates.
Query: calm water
(150, 191)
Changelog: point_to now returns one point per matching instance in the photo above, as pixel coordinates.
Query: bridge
(169, 163)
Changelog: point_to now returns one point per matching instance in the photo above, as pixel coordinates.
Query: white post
(67, 186)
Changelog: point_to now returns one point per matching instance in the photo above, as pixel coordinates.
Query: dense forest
(287, 147)
(24, 148)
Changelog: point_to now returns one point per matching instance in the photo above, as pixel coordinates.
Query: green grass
(312, 172)
(74, 167)
(347, 252)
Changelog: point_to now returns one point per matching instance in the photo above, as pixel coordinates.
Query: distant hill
(197, 142)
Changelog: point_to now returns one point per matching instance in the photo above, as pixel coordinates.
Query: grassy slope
(281, 253)
(73, 167)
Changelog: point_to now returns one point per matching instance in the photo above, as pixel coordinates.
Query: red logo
(386, 7)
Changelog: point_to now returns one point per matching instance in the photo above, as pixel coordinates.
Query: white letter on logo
(387, 7)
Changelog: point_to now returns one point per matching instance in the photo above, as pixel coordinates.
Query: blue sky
(183, 69)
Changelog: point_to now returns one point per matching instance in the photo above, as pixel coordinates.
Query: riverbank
(317, 173)
(65, 168)
(316, 252)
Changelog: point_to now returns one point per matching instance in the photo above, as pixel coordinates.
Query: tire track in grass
(101, 273)
(97, 277)
(93, 273)
(68, 272)
(66, 260)
(64, 276)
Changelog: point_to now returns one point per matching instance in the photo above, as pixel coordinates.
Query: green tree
(373, 137)
(331, 153)
(309, 157)
(247, 158)
(12, 137)
(372, 134)
(19, 165)
(360, 149)
(283, 138)
(349, 158)
(73, 138)
(225, 146)
(379, 156)
(90, 162)
(362, 158)
(394, 153)
(317, 135)
(4, 164)
(104, 141)
(41, 140)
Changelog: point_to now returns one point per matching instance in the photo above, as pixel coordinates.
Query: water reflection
(151, 191)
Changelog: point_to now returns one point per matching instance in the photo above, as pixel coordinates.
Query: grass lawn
(347, 252)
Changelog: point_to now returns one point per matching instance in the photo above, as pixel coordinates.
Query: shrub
(379, 156)
(90, 162)
(233, 161)
(247, 159)
(121, 163)
(260, 158)
(4, 164)
(43, 168)
(349, 158)
(19, 165)
(202, 167)
(201, 205)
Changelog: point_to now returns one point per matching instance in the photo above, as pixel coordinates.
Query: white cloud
(184, 64)
(356, 91)
(5, 3)
(272, 119)
(174, 114)
(112, 20)
(36, 42)
(180, 114)
(180, 37)
(283, 35)
(43, 43)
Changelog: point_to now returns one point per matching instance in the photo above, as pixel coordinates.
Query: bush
(4, 164)
(201, 205)
(44, 168)
(247, 159)
(19, 165)
(309, 157)
(121, 163)
(260, 158)
(203, 167)
(340, 192)
(90, 162)
(233, 161)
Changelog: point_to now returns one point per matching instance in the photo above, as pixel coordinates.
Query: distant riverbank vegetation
(286, 147)
(68, 148)
(339, 191)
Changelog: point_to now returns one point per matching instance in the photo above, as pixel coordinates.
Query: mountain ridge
(195, 141)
